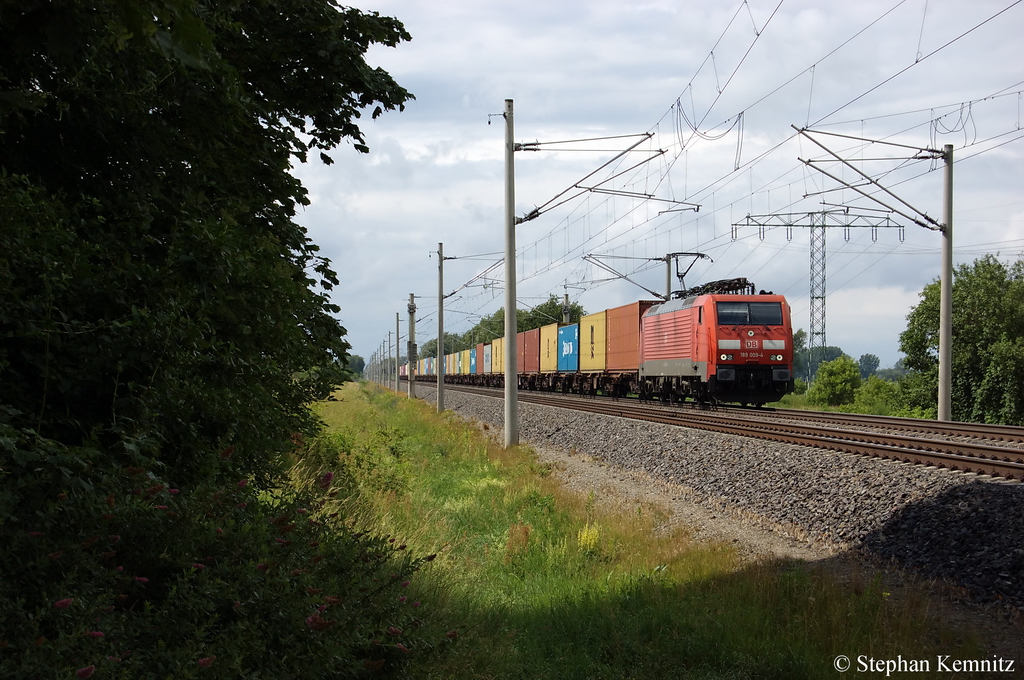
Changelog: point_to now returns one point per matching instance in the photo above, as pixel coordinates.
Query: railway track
(967, 447)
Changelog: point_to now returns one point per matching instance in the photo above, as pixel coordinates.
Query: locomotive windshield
(749, 313)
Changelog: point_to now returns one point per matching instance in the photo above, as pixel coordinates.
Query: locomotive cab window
(749, 313)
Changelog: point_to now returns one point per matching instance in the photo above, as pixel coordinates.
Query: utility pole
(511, 379)
(920, 218)
(386, 375)
(398, 357)
(946, 292)
(411, 373)
(440, 328)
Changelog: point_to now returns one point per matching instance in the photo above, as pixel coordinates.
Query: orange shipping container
(480, 359)
(623, 330)
(531, 350)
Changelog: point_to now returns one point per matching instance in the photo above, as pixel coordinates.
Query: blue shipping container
(569, 348)
(472, 361)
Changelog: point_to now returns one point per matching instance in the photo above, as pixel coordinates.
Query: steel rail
(984, 459)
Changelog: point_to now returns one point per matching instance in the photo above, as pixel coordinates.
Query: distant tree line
(492, 326)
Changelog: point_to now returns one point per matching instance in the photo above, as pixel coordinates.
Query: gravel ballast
(962, 528)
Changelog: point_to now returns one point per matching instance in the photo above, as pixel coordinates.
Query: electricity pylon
(818, 222)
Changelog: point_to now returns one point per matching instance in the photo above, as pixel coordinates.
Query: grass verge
(534, 581)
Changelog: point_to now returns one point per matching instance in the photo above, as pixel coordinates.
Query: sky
(708, 94)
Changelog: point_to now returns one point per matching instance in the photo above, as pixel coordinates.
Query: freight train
(720, 342)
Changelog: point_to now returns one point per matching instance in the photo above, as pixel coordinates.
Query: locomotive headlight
(726, 357)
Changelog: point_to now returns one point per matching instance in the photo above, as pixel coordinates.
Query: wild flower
(394, 631)
(142, 579)
(197, 565)
(205, 662)
(64, 604)
(85, 672)
(94, 634)
(35, 534)
(325, 481)
(405, 584)
(243, 483)
(318, 623)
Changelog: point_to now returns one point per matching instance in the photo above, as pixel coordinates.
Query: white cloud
(587, 69)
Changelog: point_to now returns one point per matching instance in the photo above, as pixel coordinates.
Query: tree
(548, 312)
(807, 363)
(452, 343)
(877, 396)
(157, 299)
(800, 353)
(868, 365)
(893, 374)
(988, 344)
(836, 383)
(492, 326)
(356, 364)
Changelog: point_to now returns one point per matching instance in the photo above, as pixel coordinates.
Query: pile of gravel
(958, 527)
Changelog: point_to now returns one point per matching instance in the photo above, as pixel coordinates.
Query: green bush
(835, 383)
(877, 396)
(113, 569)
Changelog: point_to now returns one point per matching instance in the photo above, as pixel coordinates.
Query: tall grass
(535, 581)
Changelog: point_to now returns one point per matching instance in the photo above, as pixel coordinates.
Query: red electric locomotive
(719, 342)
